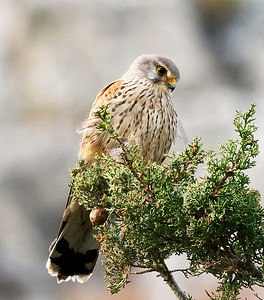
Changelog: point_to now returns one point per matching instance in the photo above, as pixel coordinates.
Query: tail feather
(74, 253)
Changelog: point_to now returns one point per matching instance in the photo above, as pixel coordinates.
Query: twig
(129, 165)
(179, 174)
(161, 235)
(258, 296)
(220, 184)
(235, 263)
(208, 295)
(142, 267)
(250, 267)
(166, 275)
(240, 264)
(186, 270)
(226, 175)
(142, 272)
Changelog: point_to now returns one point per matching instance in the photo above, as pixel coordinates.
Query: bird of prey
(144, 115)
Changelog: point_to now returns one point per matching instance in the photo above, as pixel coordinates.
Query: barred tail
(74, 252)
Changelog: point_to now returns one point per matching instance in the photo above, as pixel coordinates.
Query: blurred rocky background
(55, 56)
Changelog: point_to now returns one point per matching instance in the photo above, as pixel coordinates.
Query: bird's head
(158, 69)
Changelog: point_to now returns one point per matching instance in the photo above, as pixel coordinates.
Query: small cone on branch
(98, 216)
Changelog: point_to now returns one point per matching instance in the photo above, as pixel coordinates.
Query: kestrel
(143, 114)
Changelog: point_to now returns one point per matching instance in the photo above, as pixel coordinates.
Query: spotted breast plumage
(144, 115)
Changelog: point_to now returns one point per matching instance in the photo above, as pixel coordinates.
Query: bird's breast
(144, 116)
(154, 128)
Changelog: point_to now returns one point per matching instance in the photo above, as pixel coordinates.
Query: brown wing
(107, 92)
(93, 140)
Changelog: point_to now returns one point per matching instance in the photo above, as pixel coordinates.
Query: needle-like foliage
(155, 211)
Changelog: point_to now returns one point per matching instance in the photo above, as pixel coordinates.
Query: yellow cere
(173, 80)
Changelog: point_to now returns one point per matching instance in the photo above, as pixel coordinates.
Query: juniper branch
(167, 276)
(217, 219)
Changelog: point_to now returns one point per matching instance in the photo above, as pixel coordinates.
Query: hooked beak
(171, 83)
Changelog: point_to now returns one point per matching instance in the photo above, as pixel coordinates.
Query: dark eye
(161, 71)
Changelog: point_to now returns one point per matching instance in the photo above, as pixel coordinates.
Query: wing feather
(93, 140)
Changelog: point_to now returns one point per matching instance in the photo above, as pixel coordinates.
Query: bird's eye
(161, 71)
